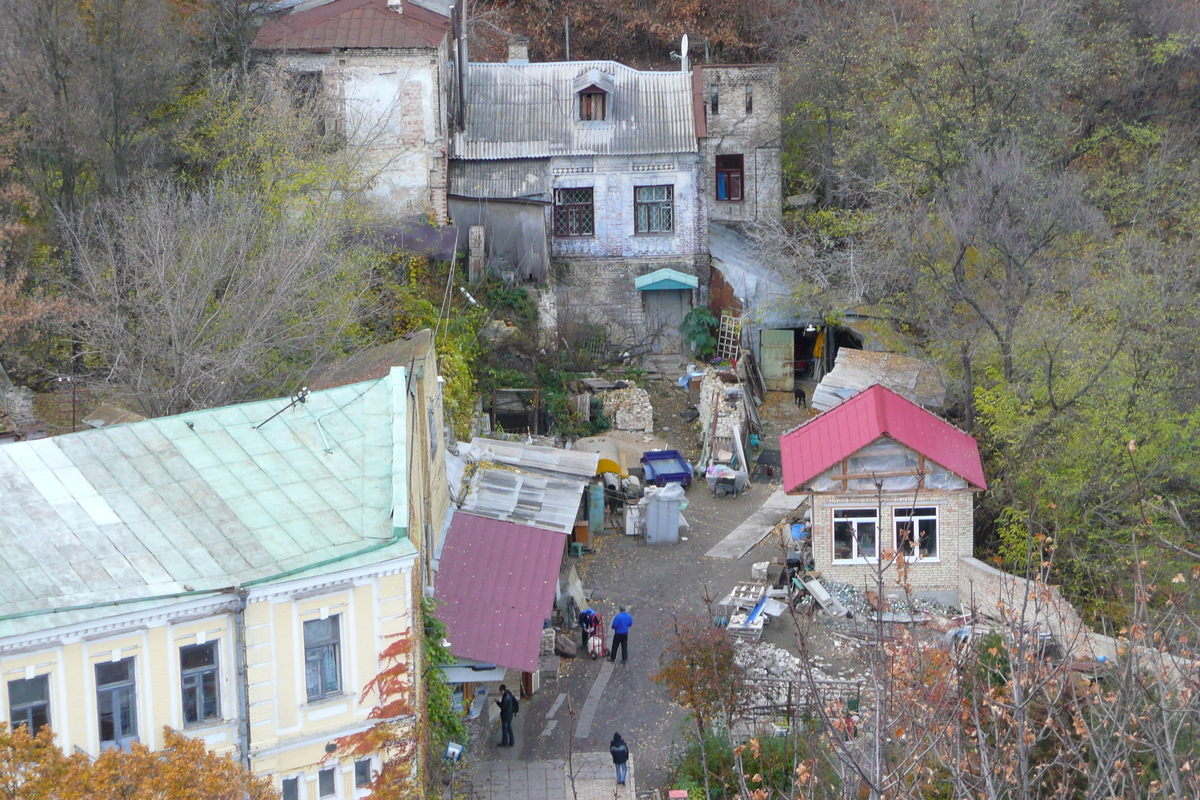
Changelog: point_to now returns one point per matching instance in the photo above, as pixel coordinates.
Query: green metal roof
(201, 502)
(665, 278)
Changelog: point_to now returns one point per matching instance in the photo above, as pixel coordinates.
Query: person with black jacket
(620, 757)
(508, 707)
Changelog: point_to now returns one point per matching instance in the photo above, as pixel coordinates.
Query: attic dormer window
(592, 105)
(594, 89)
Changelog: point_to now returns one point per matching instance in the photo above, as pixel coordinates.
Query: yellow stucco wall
(288, 732)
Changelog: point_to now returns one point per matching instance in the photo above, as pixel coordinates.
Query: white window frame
(856, 557)
(898, 518)
(332, 772)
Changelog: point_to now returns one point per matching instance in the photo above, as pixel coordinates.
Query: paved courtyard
(594, 699)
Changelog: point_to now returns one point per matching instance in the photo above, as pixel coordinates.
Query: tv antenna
(298, 398)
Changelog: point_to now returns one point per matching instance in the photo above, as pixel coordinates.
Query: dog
(801, 398)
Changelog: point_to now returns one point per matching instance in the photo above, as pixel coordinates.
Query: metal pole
(567, 34)
(72, 379)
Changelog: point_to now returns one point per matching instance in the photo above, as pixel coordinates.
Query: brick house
(886, 479)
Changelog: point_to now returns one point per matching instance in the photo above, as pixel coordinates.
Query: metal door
(665, 309)
(777, 359)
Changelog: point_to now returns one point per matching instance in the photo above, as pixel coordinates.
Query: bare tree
(210, 297)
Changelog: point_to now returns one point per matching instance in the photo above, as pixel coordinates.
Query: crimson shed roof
(874, 412)
(496, 587)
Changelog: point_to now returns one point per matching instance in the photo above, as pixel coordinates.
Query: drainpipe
(242, 678)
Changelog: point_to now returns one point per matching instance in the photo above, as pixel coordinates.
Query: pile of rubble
(629, 409)
(857, 602)
(765, 660)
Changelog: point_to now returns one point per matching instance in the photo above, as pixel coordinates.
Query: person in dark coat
(585, 625)
(620, 756)
(507, 705)
(621, 624)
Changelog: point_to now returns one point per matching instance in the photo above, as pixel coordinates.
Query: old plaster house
(890, 486)
(592, 183)
(377, 71)
(233, 573)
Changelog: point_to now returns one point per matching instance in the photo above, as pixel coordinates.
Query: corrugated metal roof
(536, 500)
(841, 432)
(352, 24)
(854, 370)
(199, 502)
(530, 111)
(501, 180)
(578, 463)
(496, 587)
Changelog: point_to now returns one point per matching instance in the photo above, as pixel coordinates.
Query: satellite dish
(683, 46)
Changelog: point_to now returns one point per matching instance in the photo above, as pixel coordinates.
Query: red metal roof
(495, 587)
(349, 24)
(874, 412)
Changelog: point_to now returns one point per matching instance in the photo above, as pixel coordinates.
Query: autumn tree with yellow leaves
(34, 768)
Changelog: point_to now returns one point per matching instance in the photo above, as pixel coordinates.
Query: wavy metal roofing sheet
(530, 111)
(842, 431)
(496, 588)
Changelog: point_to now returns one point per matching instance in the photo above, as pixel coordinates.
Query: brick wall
(941, 576)
(601, 291)
(755, 135)
(1017, 601)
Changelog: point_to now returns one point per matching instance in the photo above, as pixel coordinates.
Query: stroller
(597, 646)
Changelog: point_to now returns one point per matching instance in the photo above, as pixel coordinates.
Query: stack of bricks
(731, 416)
(629, 409)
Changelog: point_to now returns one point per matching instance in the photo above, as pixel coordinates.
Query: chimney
(518, 50)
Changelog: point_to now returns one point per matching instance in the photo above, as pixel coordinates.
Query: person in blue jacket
(621, 624)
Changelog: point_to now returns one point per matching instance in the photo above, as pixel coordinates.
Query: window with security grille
(322, 674)
(574, 214)
(29, 703)
(654, 209)
(198, 669)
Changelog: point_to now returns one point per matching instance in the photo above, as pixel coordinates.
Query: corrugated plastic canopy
(123, 517)
(665, 278)
(842, 431)
(531, 111)
(496, 588)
